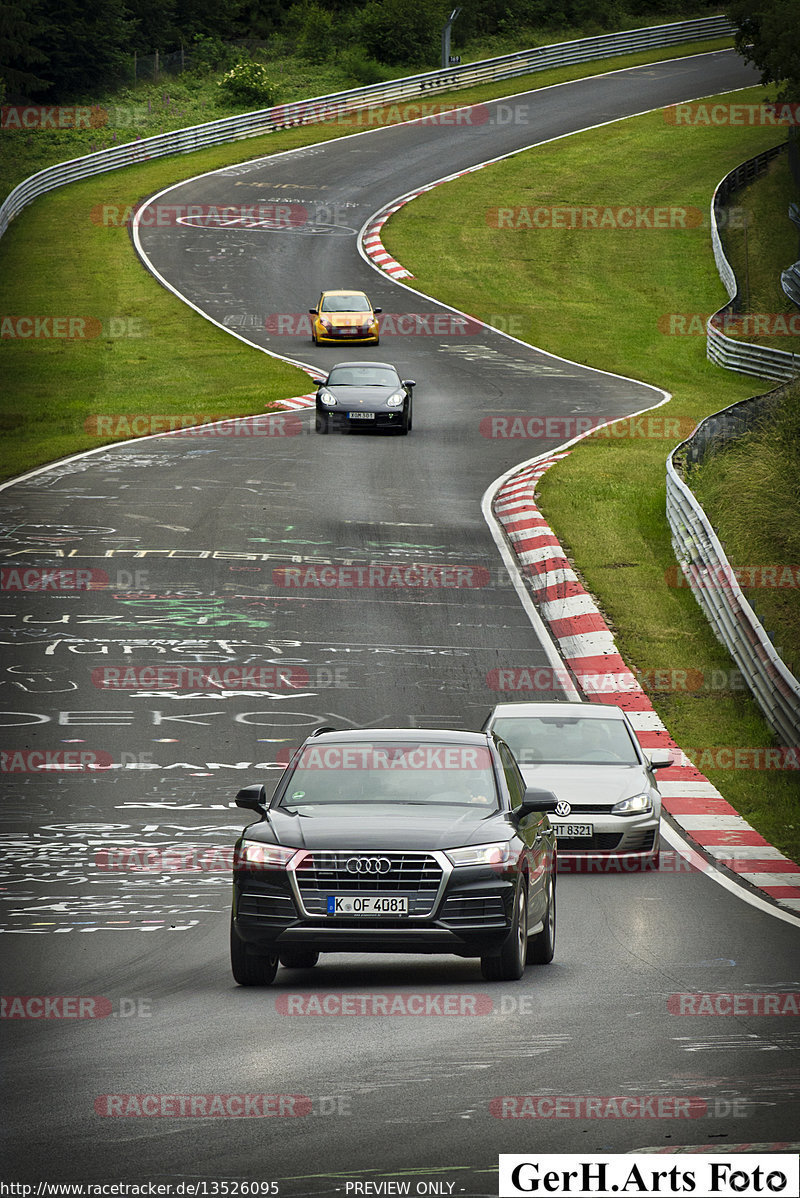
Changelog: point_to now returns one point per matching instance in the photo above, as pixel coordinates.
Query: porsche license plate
(361, 415)
(367, 904)
(572, 831)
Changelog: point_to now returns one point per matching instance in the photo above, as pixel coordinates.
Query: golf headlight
(396, 399)
(497, 854)
(327, 399)
(635, 805)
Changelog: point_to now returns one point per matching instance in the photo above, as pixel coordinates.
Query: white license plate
(367, 904)
(572, 831)
(361, 415)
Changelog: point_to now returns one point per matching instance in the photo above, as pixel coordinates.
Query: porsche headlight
(396, 399)
(326, 398)
(635, 805)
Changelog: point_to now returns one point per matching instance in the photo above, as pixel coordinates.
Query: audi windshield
(396, 774)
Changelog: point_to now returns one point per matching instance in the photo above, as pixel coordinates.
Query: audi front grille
(418, 876)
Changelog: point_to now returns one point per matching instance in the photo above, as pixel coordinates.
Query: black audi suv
(395, 840)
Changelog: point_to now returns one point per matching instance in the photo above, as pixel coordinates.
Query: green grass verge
(601, 297)
(56, 261)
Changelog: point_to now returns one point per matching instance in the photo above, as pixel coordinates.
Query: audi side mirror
(253, 797)
(536, 800)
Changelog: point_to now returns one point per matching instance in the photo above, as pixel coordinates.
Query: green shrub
(249, 82)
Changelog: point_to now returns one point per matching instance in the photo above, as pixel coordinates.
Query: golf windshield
(566, 740)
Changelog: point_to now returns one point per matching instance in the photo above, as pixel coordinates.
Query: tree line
(66, 49)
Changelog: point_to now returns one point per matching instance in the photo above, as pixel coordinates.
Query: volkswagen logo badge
(563, 807)
(368, 865)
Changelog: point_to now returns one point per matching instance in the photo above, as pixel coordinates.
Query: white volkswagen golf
(589, 756)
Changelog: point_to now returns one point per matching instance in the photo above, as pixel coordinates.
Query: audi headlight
(254, 855)
(396, 399)
(636, 805)
(499, 853)
(327, 399)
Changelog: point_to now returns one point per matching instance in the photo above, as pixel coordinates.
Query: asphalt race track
(191, 542)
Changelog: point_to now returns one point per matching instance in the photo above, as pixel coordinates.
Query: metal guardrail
(742, 356)
(700, 555)
(790, 282)
(714, 583)
(790, 278)
(331, 107)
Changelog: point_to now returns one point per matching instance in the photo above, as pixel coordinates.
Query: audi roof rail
(325, 728)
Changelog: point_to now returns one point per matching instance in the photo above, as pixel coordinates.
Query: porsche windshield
(402, 774)
(562, 740)
(363, 376)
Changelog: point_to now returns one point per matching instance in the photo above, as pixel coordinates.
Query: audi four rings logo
(563, 808)
(368, 865)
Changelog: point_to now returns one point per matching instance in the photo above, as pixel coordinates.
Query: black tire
(542, 946)
(298, 958)
(410, 414)
(403, 426)
(250, 969)
(322, 422)
(509, 964)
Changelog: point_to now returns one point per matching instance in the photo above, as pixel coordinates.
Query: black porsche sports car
(395, 840)
(365, 395)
